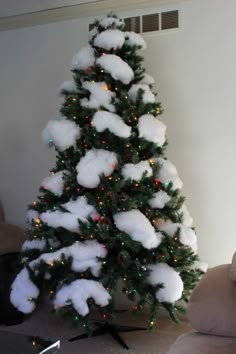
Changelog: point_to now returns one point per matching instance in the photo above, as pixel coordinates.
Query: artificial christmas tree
(111, 208)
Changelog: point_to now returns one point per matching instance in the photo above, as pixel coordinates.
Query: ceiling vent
(150, 23)
(157, 22)
(170, 20)
(132, 24)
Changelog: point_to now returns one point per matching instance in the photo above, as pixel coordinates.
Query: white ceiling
(19, 7)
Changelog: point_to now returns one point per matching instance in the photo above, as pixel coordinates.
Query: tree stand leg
(108, 328)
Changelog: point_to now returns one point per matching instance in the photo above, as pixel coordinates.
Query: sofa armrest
(212, 305)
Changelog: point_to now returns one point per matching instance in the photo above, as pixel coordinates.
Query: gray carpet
(44, 324)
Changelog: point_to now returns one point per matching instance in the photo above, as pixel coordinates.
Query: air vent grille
(132, 24)
(150, 23)
(161, 21)
(169, 20)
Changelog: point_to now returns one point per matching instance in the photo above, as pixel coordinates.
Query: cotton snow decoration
(77, 210)
(95, 163)
(33, 244)
(134, 39)
(92, 33)
(85, 255)
(187, 219)
(147, 79)
(24, 292)
(162, 273)
(151, 129)
(32, 215)
(54, 183)
(110, 21)
(136, 171)
(68, 86)
(78, 292)
(59, 219)
(168, 173)
(103, 120)
(138, 227)
(116, 67)
(159, 200)
(203, 266)
(147, 97)
(194, 247)
(187, 236)
(83, 59)
(100, 96)
(110, 39)
(62, 133)
(81, 208)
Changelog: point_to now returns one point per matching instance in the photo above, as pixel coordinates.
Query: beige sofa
(212, 313)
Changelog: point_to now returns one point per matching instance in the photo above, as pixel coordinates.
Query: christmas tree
(111, 208)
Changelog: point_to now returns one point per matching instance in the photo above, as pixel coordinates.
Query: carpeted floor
(46, 325)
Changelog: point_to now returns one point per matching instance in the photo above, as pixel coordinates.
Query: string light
(151, 161)
(156, 181)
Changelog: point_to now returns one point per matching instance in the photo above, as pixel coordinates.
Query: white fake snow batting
(147, 97)
(134, 39)
(109, 39)
(151, 129)
(100, 96)
(84, 58)
(159, 200)
(68, 86)
(54, 183)
(103, 120)
(116, 67)
(138, 227)
(78, 292)
(187, 236)
(168, 173)
(84, 256)
(162, 273)
(136, 171)
(22, 291)
(62, 133)
(95, 163)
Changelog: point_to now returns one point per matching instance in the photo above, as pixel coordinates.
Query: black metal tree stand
(105, 327)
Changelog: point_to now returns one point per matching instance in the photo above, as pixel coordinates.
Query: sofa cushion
(212, 305)
(11, 238)
(196, 343)
(232, 269)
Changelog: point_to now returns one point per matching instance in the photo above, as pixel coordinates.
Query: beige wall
(195, 71)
